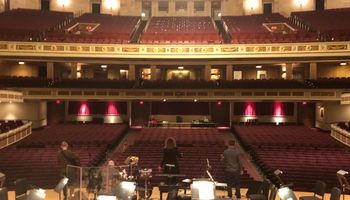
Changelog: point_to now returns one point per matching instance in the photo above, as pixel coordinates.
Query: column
(207, 72)
(153, 72)
(129, 112)
(289, 71)
(313, 71)
(229, 72)
(50, 70)
(74, 69)
(131, 72)
(231, 113)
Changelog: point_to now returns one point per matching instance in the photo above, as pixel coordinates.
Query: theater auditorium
(174, 99)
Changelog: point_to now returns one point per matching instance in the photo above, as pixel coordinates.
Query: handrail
(15, 135)
(340, 134)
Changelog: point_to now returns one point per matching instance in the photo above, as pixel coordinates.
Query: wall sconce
(300, 3)
(64, 3)
(251, 4)
(111, 4)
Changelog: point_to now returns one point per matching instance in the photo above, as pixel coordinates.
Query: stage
(52, 195)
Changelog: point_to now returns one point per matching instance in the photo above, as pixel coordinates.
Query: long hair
(170, 143)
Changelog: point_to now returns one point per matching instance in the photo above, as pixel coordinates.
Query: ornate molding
(184, 94)
(10, 96)
(77, 50)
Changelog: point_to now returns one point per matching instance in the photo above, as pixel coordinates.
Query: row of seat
(304, 155)
(35, 157)
(7, 125)
(25, 81)
(197, 145)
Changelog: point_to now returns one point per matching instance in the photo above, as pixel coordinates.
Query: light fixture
(59, 187)
(111, 4)
(21, 63)
(180, 67)
(164, 100)
(252, 4)
(195, 100)
(258, 66)
(143, 14)
(106, 197)
(343, 64)
(203, 190)
(285, 193)
(300, 3)
(141, 102)
(36, 194)
(219, 103)
(104, 66)
(219, 14)
(64, 3)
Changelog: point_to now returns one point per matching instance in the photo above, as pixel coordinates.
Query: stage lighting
(63, 182)
(126, 190)
(343, 64)
(106, 197)
(285, 193)
(203, 189)
(36, 194)
(21, 63)
(258, 66)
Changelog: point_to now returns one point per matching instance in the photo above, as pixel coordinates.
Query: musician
(66, 157)
(233, 169)
(170, 163)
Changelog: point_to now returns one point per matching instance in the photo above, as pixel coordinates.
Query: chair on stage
(318, 190)
(263, 192)
(21, 187)
(3, 194)
(335, 193)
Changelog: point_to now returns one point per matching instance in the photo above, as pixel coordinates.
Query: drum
(126, 190)
(203, 189)
(145, 173)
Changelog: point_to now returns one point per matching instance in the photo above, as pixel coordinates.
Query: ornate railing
(340, 134)
(15, 135)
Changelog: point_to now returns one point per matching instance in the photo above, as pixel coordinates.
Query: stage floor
(51, 195)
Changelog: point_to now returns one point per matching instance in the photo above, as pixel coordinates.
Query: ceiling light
(103, 66)
(21, 63)
(164, 100)
(343, 63)
(180, 67)
(195, 100)
(258, 66)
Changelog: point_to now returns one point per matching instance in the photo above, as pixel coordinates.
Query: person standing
(170, 163)
(233, 169)
(66, 157)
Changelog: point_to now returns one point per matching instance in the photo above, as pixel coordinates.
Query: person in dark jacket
(66, 157)
(233, 169)
(170, 162)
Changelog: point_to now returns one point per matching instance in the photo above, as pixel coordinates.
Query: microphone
(208, 164)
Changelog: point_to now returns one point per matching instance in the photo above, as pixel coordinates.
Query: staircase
(138, 32)
(226, 38)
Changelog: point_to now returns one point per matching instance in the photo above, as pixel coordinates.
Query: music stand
(343, 181)
(2, 179)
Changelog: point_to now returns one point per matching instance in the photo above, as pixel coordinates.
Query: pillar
(289, 71)
(231, 113)
(74, 69)
(50, 70)
(153, 72)
(207, 72)
(131, 72)
(229, 72)
(129, 112)
(313, 71)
